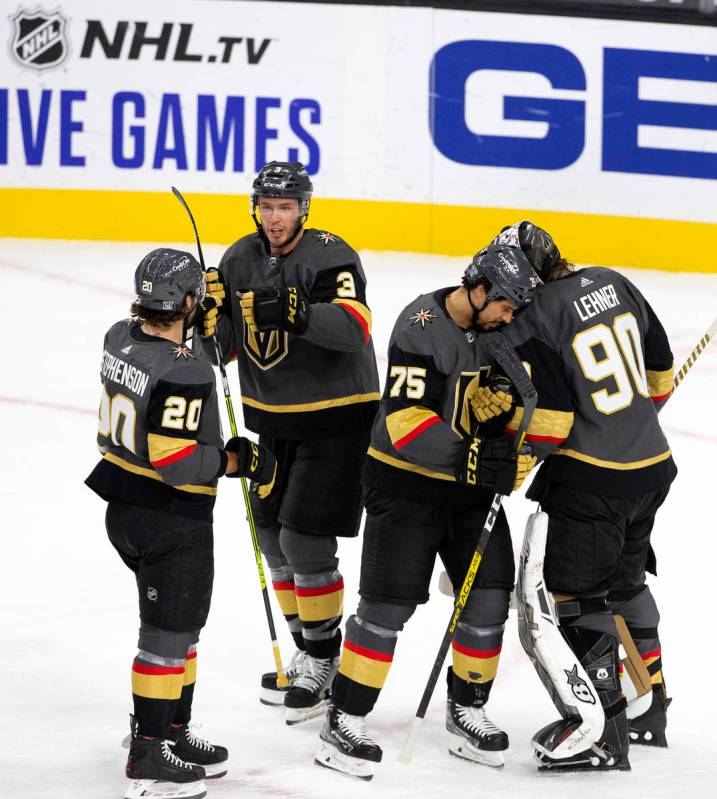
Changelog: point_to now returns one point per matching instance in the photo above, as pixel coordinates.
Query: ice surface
(70, 608)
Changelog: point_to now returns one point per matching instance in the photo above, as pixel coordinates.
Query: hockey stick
(690, 362)
(281, 680)
(507, 358)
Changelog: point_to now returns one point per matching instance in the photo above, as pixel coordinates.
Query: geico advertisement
(408, 105)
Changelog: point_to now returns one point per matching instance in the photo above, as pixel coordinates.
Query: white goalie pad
(561, 672)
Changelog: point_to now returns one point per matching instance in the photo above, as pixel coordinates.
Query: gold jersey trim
(303, 407)
(571, 453)
(140, 470)
(660, 383)
(409, 467)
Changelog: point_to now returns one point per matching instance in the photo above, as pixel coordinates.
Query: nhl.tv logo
(39, 39)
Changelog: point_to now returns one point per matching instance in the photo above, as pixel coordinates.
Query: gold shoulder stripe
(409, 467)
(545, 425)
(361, 309)
(161, 447)
(571, 453)
(303, 407)
(140, 470)
(660, 383)
(402, 424)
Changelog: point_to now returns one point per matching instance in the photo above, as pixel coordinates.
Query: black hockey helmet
(535, 243)
(508, 272)
(164, 276)
(283, 179)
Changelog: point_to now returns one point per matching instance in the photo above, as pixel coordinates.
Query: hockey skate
(195, 750)
(648, 729)
(346, 746)
(473, 736)
(155, 772)
(271, 694)
(309, 695)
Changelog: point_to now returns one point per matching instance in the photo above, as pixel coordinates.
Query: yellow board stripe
(365, 224)
(409, 467)
(571, 453)
(660, 383)
(363, 670)
(301, 407)
(162, 446)
(140, 470)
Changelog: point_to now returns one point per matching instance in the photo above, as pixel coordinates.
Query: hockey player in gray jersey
(292, 309)
(602, 365)
(162, 455)
(429, 480)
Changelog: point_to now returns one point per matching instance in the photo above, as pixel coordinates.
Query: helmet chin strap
(476, 311)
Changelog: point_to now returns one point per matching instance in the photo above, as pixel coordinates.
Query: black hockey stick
(281, 680)
(507, 358)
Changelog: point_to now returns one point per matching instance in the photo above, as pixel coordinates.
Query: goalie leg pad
(560, 670)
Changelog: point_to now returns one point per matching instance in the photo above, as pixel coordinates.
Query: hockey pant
(372, 633)
(308, 585)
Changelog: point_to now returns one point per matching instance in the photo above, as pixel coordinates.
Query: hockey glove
(215, 287)
(255, 462)
(493, 463)
(492, 403)
(526, 463)
(206, 317)
(272, 308)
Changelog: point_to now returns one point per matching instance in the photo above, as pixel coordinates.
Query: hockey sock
(476, 652)
(320, 602)
(183, 713)
(365, 663)
(156, 689)
(283, 581)
(642, 618)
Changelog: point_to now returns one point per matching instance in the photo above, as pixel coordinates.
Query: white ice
(70, 607)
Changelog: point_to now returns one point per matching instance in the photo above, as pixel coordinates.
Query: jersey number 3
(612, 352)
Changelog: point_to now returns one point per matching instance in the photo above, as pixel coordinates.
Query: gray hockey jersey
(323, 383)
(159, 429)
(424, 418)
(601, 363)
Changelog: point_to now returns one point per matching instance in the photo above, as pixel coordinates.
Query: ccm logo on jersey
(596, 302)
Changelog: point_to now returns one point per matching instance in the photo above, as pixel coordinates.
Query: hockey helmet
(283, 179)
(508, 273)
(535, 243)
(164, 276)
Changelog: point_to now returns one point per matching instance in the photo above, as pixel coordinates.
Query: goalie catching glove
(272, 308)
(494, 464)
(211, 309)
(255, 462)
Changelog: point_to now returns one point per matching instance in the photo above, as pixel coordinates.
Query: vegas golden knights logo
(266, 349)
(464, 421)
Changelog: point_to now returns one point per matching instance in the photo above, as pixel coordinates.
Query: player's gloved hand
(255, 462)
(492, 402)
(215, 287)
(490, 463)
(271, 308)
(526, 463)
(206, 316)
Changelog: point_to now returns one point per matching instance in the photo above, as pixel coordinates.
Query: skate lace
(354, 727)
(199, 743)
(313, 673)
(296, 665)
(474, 719)
(171, 758)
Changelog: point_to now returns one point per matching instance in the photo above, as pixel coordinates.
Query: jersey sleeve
(176, 415)
(340, 318)
(659, 361)
(553, 417)
(414, 391)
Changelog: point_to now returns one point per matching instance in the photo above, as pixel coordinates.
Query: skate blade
(329, 757)
(297, 715)
(272, 697)
(583, 765)
(213, 771)
(152, 789)
(459, 747)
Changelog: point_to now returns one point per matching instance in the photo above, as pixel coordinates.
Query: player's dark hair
(561, 268)
(481, 281)
(155, 318)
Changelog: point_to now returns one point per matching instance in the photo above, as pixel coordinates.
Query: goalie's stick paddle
(507, 358)
(281, 680)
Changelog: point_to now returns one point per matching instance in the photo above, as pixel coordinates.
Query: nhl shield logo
(39, 39)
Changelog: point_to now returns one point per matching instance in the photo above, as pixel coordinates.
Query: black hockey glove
(255, 462)
(272, 308)
(494, 464)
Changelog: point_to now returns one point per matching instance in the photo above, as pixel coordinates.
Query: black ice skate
(308, 696)
(195, 750)
(155, 771)
(271, 694)
(608, 754)
(473, 736)
(649, 728)
(346, 746)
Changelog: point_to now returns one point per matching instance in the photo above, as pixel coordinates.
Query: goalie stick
(281, 679)
(507, 358)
